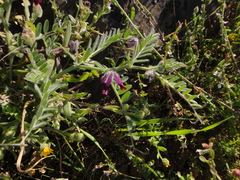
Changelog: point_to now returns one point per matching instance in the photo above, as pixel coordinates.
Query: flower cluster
(108, 78)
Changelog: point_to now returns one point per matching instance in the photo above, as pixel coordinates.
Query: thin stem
(128, 18)
(130, 67)
(22, 144)
(225, 35)
(126, 117)
(26, 9)
(116, 93)
(72, 68)
(8, 12)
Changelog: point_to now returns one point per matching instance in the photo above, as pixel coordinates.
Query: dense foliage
(79, 103)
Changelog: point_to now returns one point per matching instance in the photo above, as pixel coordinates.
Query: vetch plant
(49, 71)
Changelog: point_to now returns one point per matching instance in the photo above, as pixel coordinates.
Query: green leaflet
(180, 132)
(181, 89)
(100, 43)
(144, 48)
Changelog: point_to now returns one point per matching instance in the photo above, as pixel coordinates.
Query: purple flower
(107, 80)
(132, 42)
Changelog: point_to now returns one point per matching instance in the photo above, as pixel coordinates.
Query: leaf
(181, 132)
(160, 120)
(94, 73)
(37, 89)
(128, 87)
(135, 117)
(169, 77)
(191, 97)
(172, 64)
(28, 34)
(46, 87)
(115, 109)
(180, 83)
(173, 79)
(31, 26)
(95, 142)
(54, 99)
(182, 91)
(203, 159)
(81, 95)
(101, 42)
(127, 33)
(67, 109)
(161, 148)
(38, 125)
(53, 109)
(67, 35)
(187, 91)
(46, 26)
(177, 132)
(56, 85)
(84, 76)
(39, 57)
(126, 96)
(216, 124)
(130, 123)
(145, 48)
(45, 116)
(149, 134)
(141, 61)
(19, 40)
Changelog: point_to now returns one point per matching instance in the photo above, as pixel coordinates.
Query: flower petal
(107, 78)
(46, 151)
(105, 90)
(117, 79)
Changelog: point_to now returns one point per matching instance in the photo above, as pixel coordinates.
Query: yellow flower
(32, 172)
(232, 36)
(46, 151)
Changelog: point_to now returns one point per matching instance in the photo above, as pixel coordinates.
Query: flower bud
(132, 42)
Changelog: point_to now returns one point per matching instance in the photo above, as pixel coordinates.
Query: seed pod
(78, 137)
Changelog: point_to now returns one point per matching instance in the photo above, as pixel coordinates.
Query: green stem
(11, 68)
(126, 117)
(116, 93)
(225, 35)
(128, 18)
(26, 9)
(72, 68)
(8, 12)
(130, 67)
